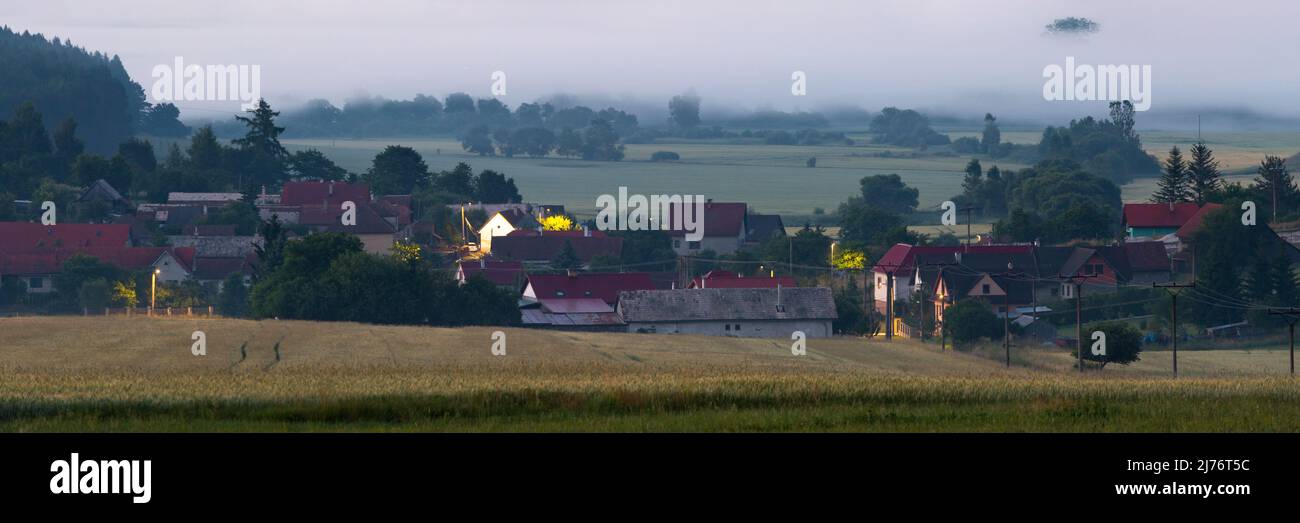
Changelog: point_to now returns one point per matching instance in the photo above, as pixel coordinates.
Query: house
(36, 269)
(101, 193)
(539, 247)
(1148, 262)
(502, 224)
(724, 224)
(376, 233)
(214, 270)
(1155, 220)
(588, 285)
(505, 274)
(899, 263)
(215, 199)
(758, 313)
(580, 314)
(324, 193)
(762, 227)
(24, 237)
(729, 280)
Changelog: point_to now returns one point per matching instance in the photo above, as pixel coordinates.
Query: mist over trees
(64, 81)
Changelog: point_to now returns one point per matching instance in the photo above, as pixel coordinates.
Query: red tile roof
(544, 247)
(605, 286)
(901, 256)
(316, 193)
(496, 271)
(1146, 256)
(130, 258)
(328, 217)
(25, 236)
(720, 219)
(1193, 224)
(729, 280)
(1158, 214)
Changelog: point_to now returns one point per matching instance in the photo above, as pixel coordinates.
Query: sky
(956, 56)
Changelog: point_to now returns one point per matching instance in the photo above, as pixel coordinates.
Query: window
(737, 326)
(693, 245)
(727, 327)
(36, 283)
(677, 244)
(984, 289)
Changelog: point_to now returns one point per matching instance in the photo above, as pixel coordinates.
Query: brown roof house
(751, 313)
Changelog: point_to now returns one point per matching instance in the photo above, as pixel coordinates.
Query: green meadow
(772, 178)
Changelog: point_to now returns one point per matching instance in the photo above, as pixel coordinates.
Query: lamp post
(153, 287)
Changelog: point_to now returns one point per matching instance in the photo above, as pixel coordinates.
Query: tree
(600, 142)
(970, 183)
(1020, 226)
(263, 156)
(1203, 172)
(1286, 291)
(458, 181)
(684, 110)
(1123, 343)
(1122, 115)
(138, 155)
(480, 302)
(906, 128)
(478, 140)
(66, 143)
(397, 170)
(991, 138)
(1275, 181)
(232, 301)
(314, 165)
(494, 187)
(95, 294)
(888, 192)
(295, 288)
(243, 215)
(969, 320)
(567, 258)
(536, 142)
(865, 224)
(270, 253)
(569, 143)
(1174, 185)
(557, 222)
(76, 271)
(851, 315)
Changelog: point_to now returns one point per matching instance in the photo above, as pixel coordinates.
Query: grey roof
(764, 226)
(801, 303)
(217, 246)
(100, 190)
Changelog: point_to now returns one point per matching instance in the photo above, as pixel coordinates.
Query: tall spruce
(1174, 185)
(1275, 182)
(1203, 172)
(1286, 291)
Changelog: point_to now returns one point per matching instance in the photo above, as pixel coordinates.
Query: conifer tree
(1203, 173)
(1174, 185)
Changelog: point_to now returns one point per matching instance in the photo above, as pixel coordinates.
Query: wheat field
(118, 374)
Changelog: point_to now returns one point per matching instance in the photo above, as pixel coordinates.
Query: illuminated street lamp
(153, 287)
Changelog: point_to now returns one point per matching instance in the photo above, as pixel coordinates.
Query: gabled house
(751, 313)
(536, 247)
(376, 233)
(578, 314)
(1155, 220)
(900, 261)
(505, 274)
(718, 279)
(37, 269)
(725, 226)
(18, 237)
(762, 227)
(502, 224)
(577, 286)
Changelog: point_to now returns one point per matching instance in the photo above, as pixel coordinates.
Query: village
(566, 275)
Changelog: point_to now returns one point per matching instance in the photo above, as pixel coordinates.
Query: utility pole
(1006, 312)
(1174, 289)
(889, 305)
(921, 287)
(967, 209)
(1294, 314)
(1078, 323)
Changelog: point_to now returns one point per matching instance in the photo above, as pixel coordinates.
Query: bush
(969, 320)
(665, 156)
(1123, 343)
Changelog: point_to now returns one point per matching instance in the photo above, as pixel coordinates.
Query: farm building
(750, 313)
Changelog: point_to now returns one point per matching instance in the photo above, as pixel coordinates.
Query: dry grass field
(116, 374)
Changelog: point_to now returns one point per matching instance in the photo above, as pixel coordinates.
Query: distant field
(113, 374)
(772, 179)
